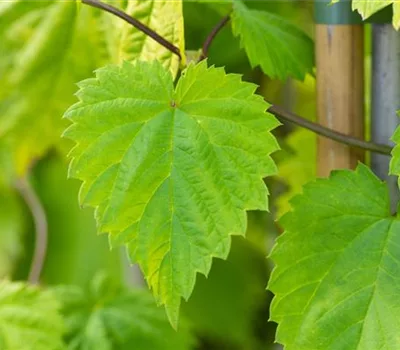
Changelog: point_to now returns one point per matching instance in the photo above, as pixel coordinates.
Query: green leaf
(171, 171)
(336, 280)
(45, 49)
(165, 17)
(277, 46)
(29, 318)
(108, 317)
(369, 7)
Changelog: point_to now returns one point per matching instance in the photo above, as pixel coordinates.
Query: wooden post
(340, 83)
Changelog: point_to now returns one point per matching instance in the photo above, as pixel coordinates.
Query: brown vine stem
(329, 133)
(210, 38)
(134, 22)
(41, 235)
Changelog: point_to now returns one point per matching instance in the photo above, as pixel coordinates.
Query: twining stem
(329, 133)
(210, 38)
(41, 232)
(137, 24)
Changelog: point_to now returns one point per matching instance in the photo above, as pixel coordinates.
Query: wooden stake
(340, 92)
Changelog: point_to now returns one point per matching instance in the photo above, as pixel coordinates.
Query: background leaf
(369, 7)
(336, 279)
(124, 42)
(182, 165)
(106, 316)
(277, 46)
(29, 318)
(42, 45)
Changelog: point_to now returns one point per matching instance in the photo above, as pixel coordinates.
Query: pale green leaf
(369, 7)
(125, 42)
(277, 46)
(29, 318)
(171, 171)
(336, 280)
(45, 48)
(109, 317)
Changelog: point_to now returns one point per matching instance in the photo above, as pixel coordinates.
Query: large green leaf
(45, 48)
(106, 317)
(124, 42)
(277, 46)
(337, 280)
(171, 171)
(29, 318)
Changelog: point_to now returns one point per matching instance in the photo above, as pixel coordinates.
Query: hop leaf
(127, 43)
(278, 47)
(368, 8)
(29, 318)
(42, 45)
(336, 279)
(107, 317)
(171, 172)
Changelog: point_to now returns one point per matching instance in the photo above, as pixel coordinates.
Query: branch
(39, 217)
(134, 22)
(221, 24)
(329, 133)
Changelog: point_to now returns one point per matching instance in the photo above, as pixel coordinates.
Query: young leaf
(278, 47)
(29, 318)
(107, 317)
(337, 279)
(42, 45)
(171, 171)
(125, 42)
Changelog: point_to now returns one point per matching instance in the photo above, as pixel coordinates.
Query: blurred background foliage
(229, 309)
